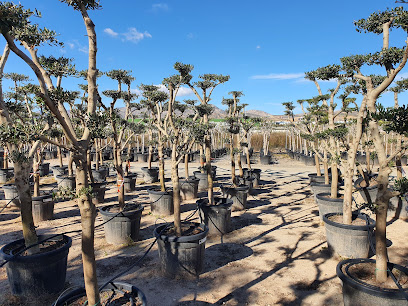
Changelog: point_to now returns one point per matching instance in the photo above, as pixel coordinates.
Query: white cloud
(70, 45)
(76, 44)
(110, 32)
(136, 91)
(134, 35)
(258, 47)
(160, 6)
(278, 76)
(182, 92)
(190, 35)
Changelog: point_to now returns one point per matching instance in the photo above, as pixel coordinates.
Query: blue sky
(264, 45)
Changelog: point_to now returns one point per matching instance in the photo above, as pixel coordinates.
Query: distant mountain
(217, 114)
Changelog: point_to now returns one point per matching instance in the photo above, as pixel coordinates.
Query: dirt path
(275, 255)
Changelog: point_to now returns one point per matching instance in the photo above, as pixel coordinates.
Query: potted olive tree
(188, 236)
(393, 60)
(17, 135)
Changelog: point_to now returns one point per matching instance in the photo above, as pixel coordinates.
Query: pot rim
(363, 286)
(347, 226)
(191, 238)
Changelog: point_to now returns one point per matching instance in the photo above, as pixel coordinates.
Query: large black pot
(371, 190)
(246, 180)
(256, 174)
(133, 293)
(265, 159)
(5, 175)
(100, 175)
(122, 226)
(129, 182)
(98, 192)
(328, 205)
(38, 273)
(349, 241)
(161, 202)
(313, 178)
(182, 256)
(11, 194)
(57, 170)
(189, 188)
(43, 208)
(66, 181)
(238, 195)
(150, 175)
(356, 292)
(203, 180)
(217, 217)
(44, 169)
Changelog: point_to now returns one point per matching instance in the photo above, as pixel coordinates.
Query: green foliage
(397, 17)
(391, 56)
(401, 185)
(58, 67)
(85, 4)
(393, 119)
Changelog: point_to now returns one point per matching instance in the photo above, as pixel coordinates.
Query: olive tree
(16, 26)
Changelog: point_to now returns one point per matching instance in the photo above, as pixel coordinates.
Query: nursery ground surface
(276, 253)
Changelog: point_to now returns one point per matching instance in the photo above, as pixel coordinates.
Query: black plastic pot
(129, 182)
(246, 180)
(38, 273)
(265, 159)
(203, 180)
(44, 169)
(122, 226)
(161, 202)
(133, 293)
(189, 188)
(43, 208)
(238, 195)
(313, 178)
(65, 181)
(328, 205)
(182, 256)
(98, 194)
(100, 175)
(372, 190)
(217, 217)
(320, 188)
(358, 293)
(5, 175)
(256, 174)
(349, 241)
(57, 170)
(11, 194)
(150, 175)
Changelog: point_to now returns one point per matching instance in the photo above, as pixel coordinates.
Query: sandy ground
(276, 253)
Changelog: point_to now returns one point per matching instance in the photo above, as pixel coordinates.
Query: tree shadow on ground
(242, 221)
(219, 255)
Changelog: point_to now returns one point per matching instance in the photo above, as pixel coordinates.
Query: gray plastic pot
(189, 188)
(150, 175)
(11, 194)
(43, 208)
(122, 226)
(38, 273)
(161, 202)
(356, 292)
(328, 205)
(182, 256)
(217, 217)
(349, 241)
(238, 195)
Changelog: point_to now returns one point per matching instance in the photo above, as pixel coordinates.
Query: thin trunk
(176, 190)
(186, 165)
(161, 164)
(70, 162)
(21, 174)
(326, 168)
(232, 155)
